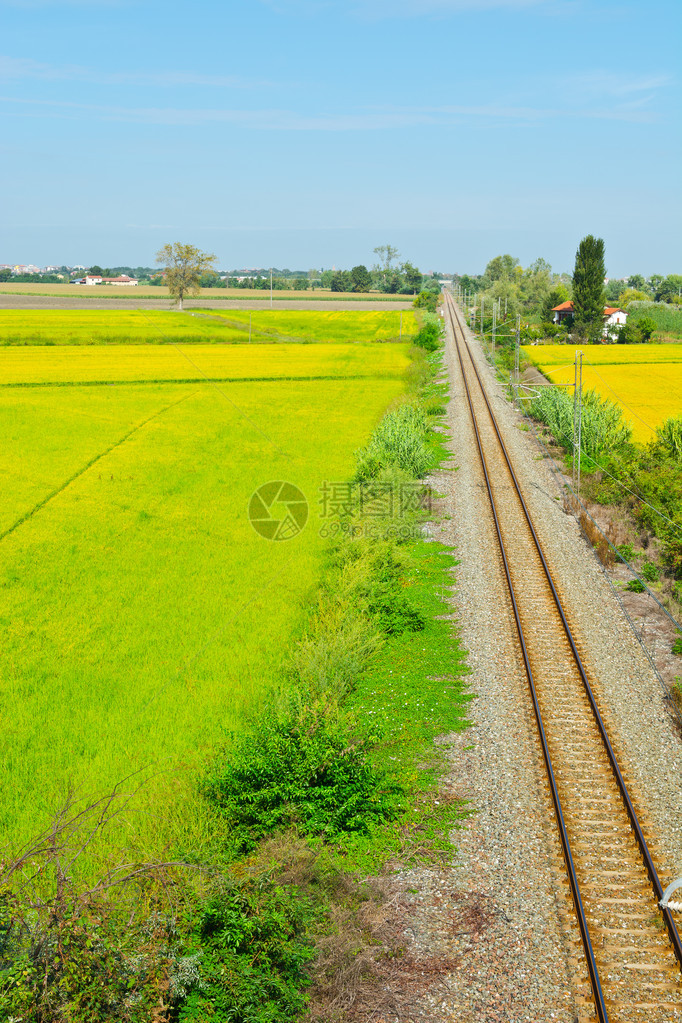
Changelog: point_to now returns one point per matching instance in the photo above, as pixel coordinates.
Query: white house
(612, 316)
(96, 279)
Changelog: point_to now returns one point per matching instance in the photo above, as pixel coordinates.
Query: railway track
(631, 950)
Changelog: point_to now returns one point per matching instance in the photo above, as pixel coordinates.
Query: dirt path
(130, 304)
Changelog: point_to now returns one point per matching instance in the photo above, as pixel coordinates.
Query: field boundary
(102, 454)
(191, 380)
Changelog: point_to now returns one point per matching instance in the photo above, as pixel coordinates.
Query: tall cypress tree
(588, 288)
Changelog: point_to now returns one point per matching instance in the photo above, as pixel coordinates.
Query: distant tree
(326, 278)
(341, 281)
(501, 268)
(412, 276)
(632, 295)
(211, 280)
(96, 270)
(5, 275)
(669, 288)
(426, 300)
(183, 268)
(612, 291)
(313, 275)
(386, 254)
(361, 278)
(637, 281)
(469, 284)
(588, 288)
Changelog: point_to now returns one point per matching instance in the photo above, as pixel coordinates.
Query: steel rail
(620, 781)
(593, 971)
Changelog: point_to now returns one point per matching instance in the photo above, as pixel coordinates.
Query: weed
(677, 646)
(636, 586)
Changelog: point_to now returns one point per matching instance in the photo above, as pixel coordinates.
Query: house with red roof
(612, 316)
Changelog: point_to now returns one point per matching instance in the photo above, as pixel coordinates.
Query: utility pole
(516, 355)
(577, 419)
(494, 325)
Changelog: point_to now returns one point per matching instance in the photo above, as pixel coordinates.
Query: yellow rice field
(40, 364)
(645, 380)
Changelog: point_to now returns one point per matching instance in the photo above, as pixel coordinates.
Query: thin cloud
(286, 120)
(618, 85)
(22, 68)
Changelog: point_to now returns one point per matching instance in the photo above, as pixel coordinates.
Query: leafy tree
(501, 268)
(5, 275)
(426, 300)
(341, 281)
(612, 291)
(632, 295)
(588, 288)
(413, 277)
(96, 270)
(183, 267)
(361, 278)
(386, 254)
(637, 282)
(669, 288)
(469, 284)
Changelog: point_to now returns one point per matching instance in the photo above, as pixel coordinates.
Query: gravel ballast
(523, 961)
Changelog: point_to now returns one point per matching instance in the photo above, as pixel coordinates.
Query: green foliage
(429, 337)
(637, 332)
(184, 266)
(588, 288)
(669, 436)
(427, 299)
(603, 429)
(626, 551)
(250, 955)
(668, 318)
(631, 295)
(650, 571)
(306, 772)
(399, 440)
(677, 646)
(361, 278)
(636, 586)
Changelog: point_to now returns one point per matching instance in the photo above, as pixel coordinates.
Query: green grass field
(321, 326)
(142, 326)
(142, 614)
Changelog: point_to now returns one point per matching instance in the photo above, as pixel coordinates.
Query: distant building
(612, 316)
(116, 281)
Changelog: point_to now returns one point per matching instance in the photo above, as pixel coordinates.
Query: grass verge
(284, 913)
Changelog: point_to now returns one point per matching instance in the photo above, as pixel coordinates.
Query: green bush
(676, 648)
(669, 436)
(636, 586)
(651, 572)
(399, 440)
(429, 336)
(426, 300)
(250, 956)
(306, 772)
(603, 429)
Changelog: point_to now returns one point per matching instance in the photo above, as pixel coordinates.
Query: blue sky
(303, 133)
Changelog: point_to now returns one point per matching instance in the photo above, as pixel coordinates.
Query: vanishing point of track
(631, 949)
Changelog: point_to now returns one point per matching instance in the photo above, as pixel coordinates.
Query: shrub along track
(632, 961)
